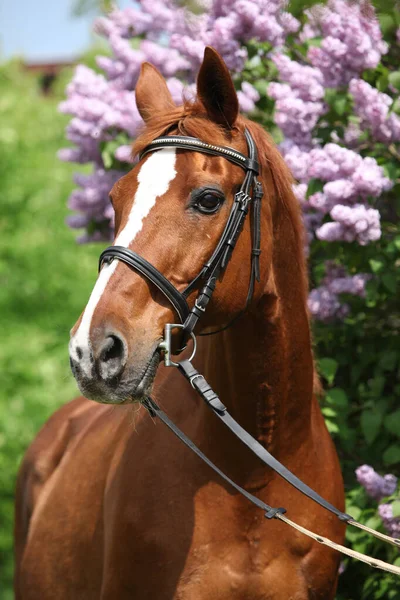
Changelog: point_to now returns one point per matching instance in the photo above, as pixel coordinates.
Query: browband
(191, 143)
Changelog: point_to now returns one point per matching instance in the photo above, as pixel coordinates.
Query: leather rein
(249, 196)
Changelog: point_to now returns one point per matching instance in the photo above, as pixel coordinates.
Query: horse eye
(208, 203)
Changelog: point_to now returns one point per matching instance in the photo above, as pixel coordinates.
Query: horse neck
(262, 367)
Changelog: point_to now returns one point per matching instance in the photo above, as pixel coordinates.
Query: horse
(110, 505)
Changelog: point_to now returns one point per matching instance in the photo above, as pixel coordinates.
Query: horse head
(171, 209)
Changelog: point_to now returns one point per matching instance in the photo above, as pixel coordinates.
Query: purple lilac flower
(248, 96)
(390, 523)
(299, 102)
(91, 199)
(373, 108)
(124, 154)
(356, 223)
(324, 305)
(352, 41)
(228, 25)
(375, 485)
(324, 302)
(297, 159)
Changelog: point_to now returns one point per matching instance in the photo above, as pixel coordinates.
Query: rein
(250, 194)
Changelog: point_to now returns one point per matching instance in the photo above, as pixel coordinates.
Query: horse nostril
(111, 357)
(112, 348)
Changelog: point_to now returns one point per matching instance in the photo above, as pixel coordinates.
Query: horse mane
(191, 119)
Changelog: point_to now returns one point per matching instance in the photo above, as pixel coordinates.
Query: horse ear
(216, 91)
(152, 93)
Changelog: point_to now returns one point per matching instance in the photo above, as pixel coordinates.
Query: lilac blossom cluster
(373, 109)
(378, 487)
(350, 181)
(375, 485)
(91, 200)
(390, 523)
(299, 99)
(351, 40)
(324, 302)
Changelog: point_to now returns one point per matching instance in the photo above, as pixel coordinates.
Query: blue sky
(43, 30)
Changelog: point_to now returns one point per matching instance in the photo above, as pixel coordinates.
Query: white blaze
(154, 179)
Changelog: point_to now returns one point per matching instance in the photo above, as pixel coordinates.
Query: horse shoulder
(42, 459)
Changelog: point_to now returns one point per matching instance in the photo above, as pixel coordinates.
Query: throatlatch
(250, 194)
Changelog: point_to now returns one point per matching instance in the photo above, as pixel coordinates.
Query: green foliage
(44, 280)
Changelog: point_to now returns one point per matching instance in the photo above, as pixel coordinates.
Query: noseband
(250, 193)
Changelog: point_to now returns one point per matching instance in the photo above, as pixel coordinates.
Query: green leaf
(390, 282)
(388, 360)
(314, 42)
(107, 158)
(392, 455)
(337, 397)
(373, 522)
(396, 509)
(392, 423)
(382, 82)
(396, 106)
(376, 265)
(394, 79)
(332, 426)
(327, 368)
(376, 385)
(314, 185)
(354, 511)
(340, 105)
(387, 23)
(327, 411)
(371, 421)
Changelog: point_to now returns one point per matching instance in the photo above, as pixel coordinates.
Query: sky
(44, 30)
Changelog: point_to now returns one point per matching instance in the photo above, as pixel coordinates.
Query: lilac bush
(301, 68)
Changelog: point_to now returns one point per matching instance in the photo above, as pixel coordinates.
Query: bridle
(249, 195)
(219, 259)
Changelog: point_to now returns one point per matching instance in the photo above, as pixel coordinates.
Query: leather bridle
(249, 195)
(219, 259)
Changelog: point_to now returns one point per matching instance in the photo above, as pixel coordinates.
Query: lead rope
(270, 512)
(213, 401)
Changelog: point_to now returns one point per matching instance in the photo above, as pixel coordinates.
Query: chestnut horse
(110, 505)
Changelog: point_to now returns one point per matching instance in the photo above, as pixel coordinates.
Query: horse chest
(239, 573)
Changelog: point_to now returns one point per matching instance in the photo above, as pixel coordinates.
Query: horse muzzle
(105, 373)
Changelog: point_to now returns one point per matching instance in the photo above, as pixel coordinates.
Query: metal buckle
(197, 305)
(165, 345)
(243, 200)
(193, 377)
